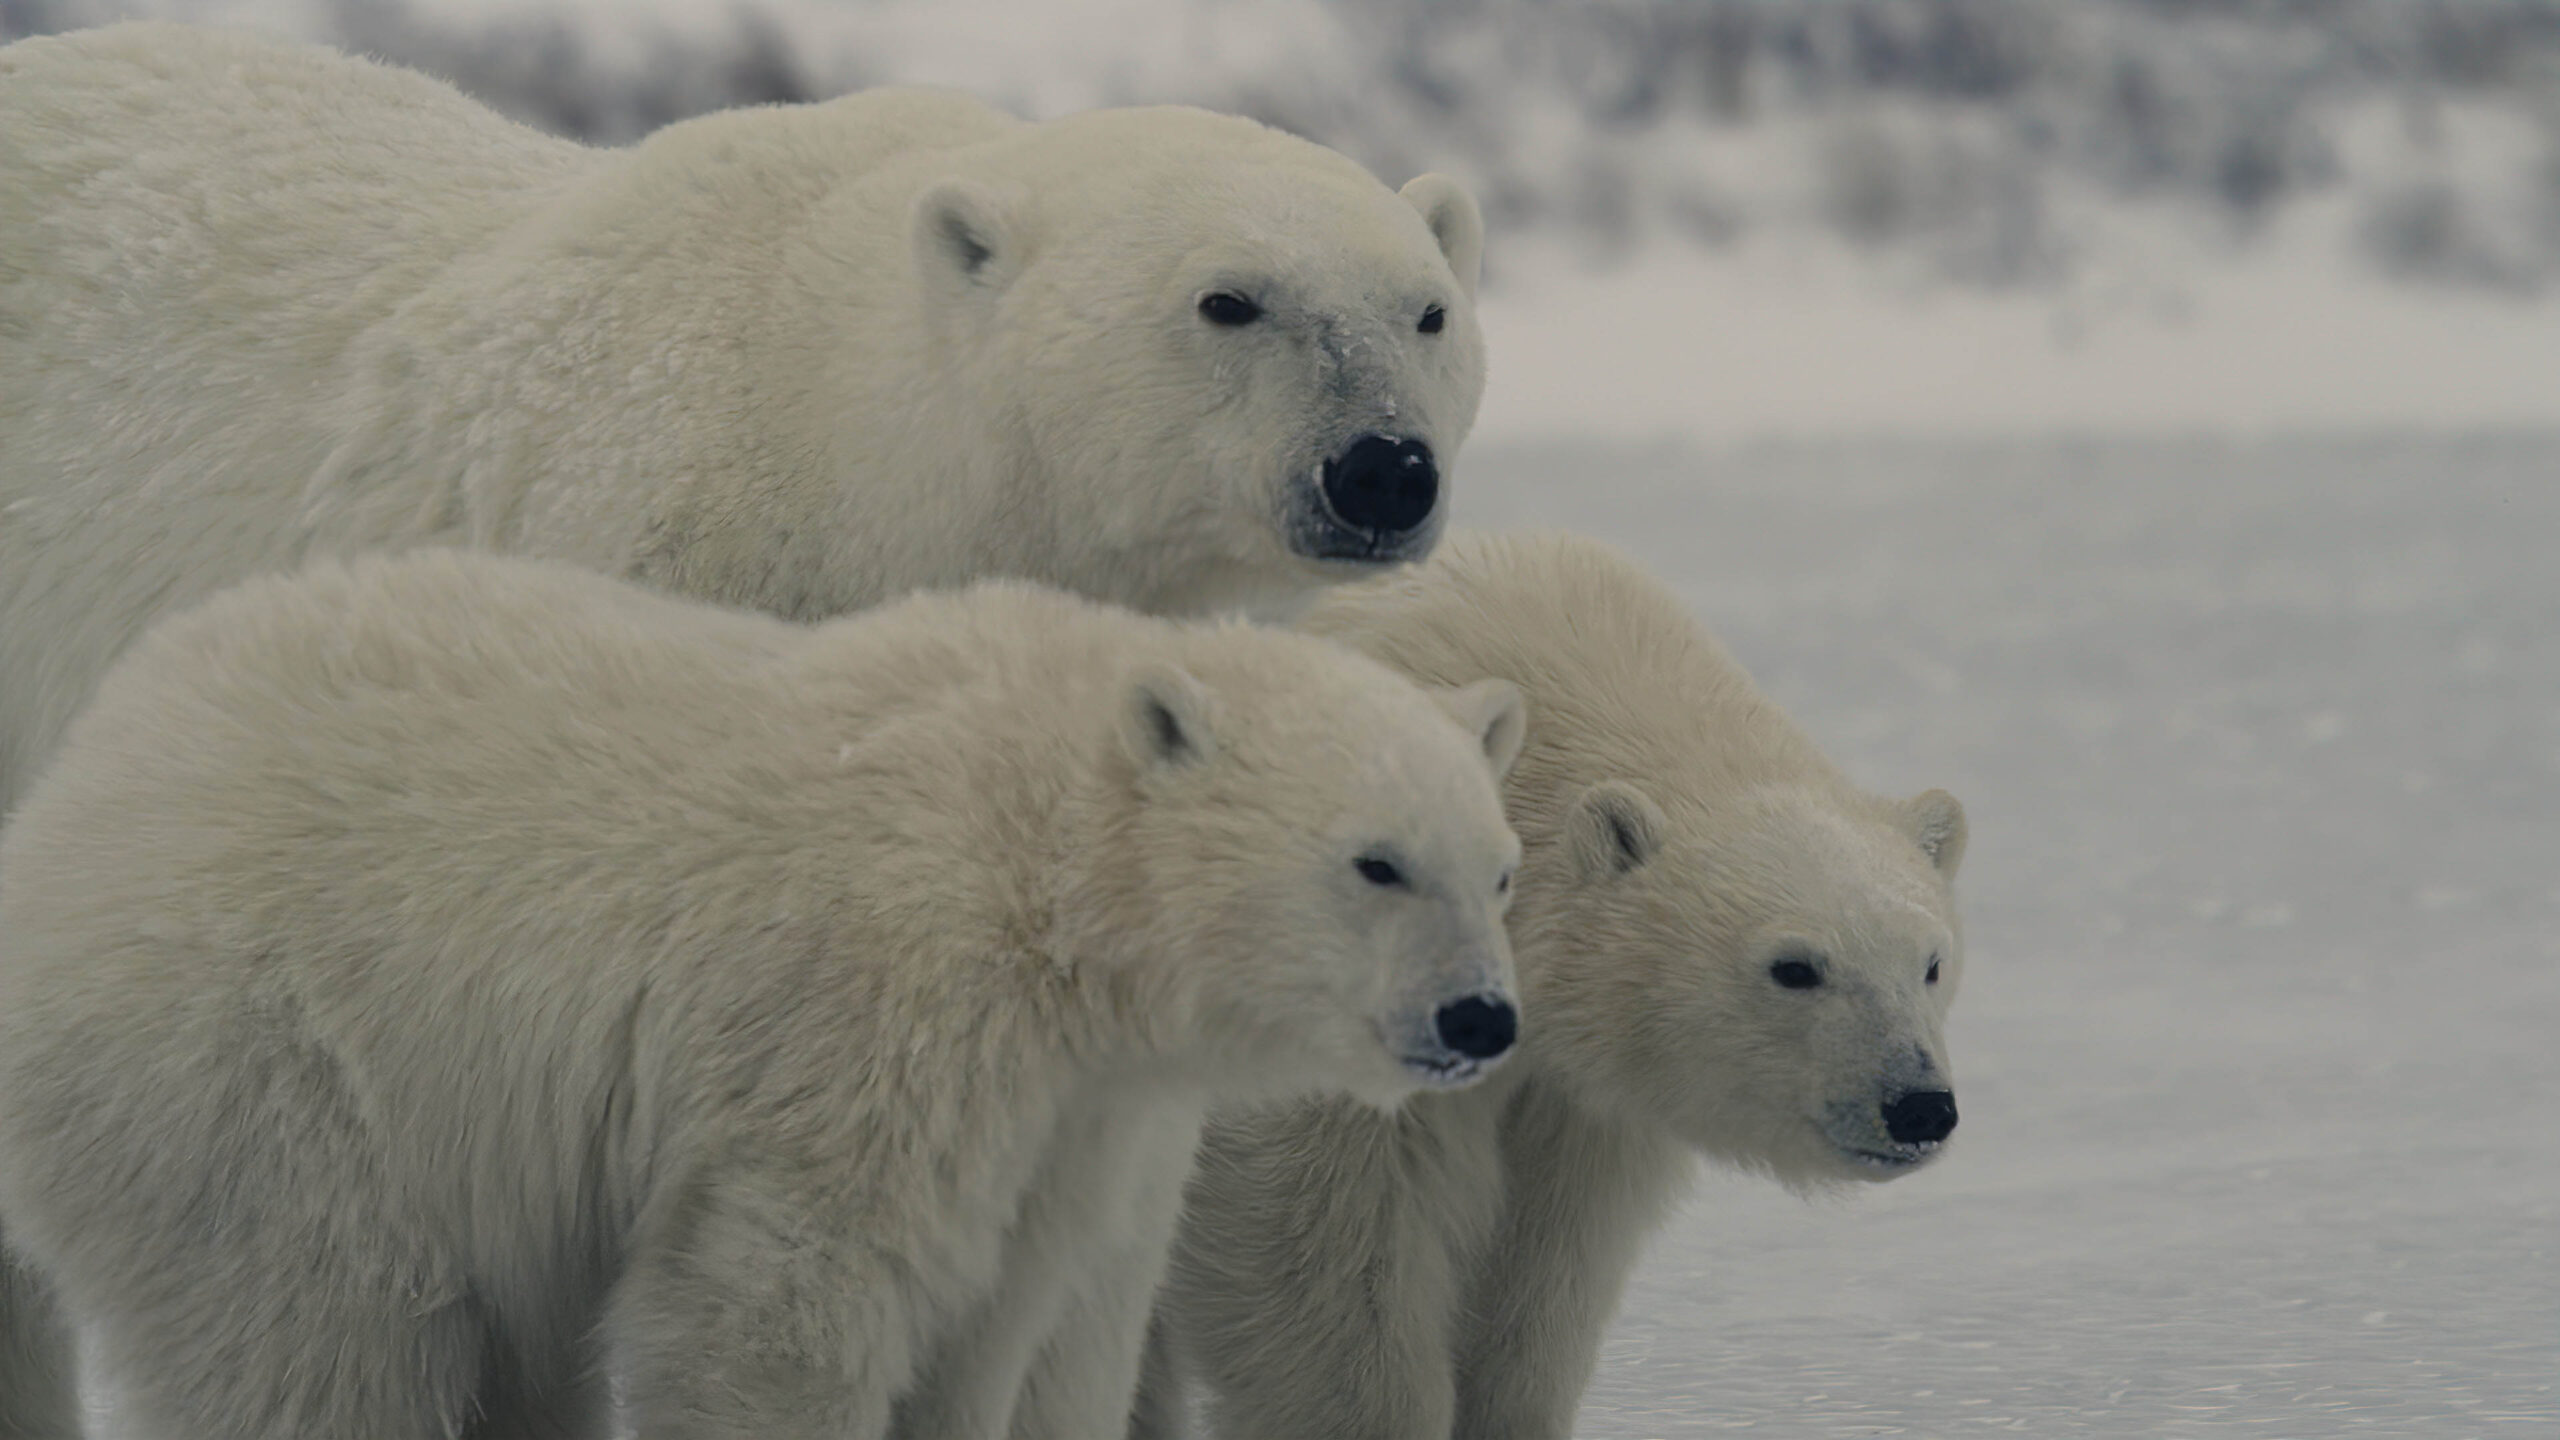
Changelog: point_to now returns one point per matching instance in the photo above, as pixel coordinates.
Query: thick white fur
(1449, 1270)
(411, 971)
(261, 301)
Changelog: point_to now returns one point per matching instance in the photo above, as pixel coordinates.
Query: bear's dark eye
(1933, 969)
(1377, 871)
(1226, 308)
(1796, 973)
(1503, 885)
(1432, 319)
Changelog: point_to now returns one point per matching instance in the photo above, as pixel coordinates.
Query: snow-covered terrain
(2140, 417)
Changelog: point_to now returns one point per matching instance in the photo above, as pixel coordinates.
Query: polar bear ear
(963, 237)
(1455, 222)
(1164, 719)
(1612, 828)
(1493, 712)
(1936, 820)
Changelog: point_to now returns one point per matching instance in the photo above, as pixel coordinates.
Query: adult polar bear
(1724, 946)
(260, 301)
(411, 969)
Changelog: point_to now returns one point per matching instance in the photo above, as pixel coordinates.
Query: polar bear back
(263, 302)
(448, 762)
(283, 209)
(1634, 685)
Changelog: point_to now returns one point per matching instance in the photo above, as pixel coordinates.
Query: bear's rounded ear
(1936, 820)
(963, 236)
(1455, 222)
(1164, 719)
(1612, 828)
(1494, 712)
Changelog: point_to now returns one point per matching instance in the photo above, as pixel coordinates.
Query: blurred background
(2141, 417)
(1740, 217)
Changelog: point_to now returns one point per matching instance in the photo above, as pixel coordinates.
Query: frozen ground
(1809, 339)
(2261, 746)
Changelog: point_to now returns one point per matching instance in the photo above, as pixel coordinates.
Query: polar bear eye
(1795, 972)
(1377, 871)
(1503, 887)
(1933, 969)
(1226, 308)
(1432, 319)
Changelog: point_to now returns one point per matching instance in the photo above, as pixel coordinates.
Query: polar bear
(261, 302)
(410, 970)
(1724, 948)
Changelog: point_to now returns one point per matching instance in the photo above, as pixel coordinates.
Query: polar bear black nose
(1478, 1027)
(1921, 1117)
(1382, 485)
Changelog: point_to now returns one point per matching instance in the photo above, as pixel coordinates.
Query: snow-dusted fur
(410, 971)
(1449, 1270)
(262, 301)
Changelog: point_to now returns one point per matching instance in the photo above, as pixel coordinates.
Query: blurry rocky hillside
(1992, 143)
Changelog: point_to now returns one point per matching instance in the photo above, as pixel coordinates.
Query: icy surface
(2261, 746)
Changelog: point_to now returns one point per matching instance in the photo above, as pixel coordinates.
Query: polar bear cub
(410, 971)
(264, 302)
(1725, 947)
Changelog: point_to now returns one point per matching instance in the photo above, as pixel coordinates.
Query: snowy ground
(1809, 339)
(2261, 746)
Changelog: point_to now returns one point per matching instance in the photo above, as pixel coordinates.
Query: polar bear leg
(1161, 1408)
(1581, 1195)
(233, 1227)
(327, 1352)
(561, 1397)
(1349, 1337)
(1085, 1378)
(736, 1323)
(1077, 1376)
(39, 1382)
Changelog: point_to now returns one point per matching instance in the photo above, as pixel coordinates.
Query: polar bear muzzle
(1456, 1041)
(1379, 501)
(1920, 1117)
(1478, 1027)
(1382, 485)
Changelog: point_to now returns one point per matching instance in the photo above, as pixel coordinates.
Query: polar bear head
(1767, 973)
(1228, 366)
(1719, 935)
(1313, 852)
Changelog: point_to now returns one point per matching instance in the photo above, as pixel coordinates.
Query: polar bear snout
(1380, 494)
(1920, 1117)
(1455, 1042)
(1897, 1133)
(1478, 1027)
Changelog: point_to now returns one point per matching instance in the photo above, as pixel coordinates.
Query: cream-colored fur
(37, 1398)
(1449, 1270)
(261, 301)
(413, 970)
